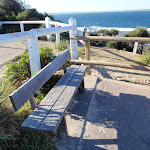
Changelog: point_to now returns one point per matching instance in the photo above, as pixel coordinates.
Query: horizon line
(55, 13)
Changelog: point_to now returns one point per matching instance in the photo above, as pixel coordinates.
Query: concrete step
(76, 114)
(118, 118)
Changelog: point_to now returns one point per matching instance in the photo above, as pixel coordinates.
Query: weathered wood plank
(116, 39)
(110, 64)
(38, 115)
(54, 117)
(26, 91)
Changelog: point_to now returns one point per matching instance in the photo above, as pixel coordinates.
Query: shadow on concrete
(12, 48)
(126, 114)
(104, 73)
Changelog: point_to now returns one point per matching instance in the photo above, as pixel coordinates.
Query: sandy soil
(118, 56)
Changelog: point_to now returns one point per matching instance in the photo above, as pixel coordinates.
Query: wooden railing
(86, 42)
(47, 22)
(32, 40)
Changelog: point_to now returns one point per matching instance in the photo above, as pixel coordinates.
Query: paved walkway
(9, 51)
(118, 118)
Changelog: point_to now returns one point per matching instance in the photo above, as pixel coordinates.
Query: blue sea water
(128, 19)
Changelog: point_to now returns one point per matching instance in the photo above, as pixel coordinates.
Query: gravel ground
(120, 74)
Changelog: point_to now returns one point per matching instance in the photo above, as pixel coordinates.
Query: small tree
(114, 32)
(105, 32)
(9, 8)
(138, 32)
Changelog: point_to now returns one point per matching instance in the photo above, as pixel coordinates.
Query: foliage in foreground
(17, 10)
(145, 58)
(63, 45)
(20, 70)
(11, 135)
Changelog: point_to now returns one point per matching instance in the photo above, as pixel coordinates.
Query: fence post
(57, 37)
(34, 58)
(135, 47)
(47, 19)
(73, 43)
(22, 27)
(87, 51)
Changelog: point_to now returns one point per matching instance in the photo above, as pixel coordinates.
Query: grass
(63, 45)
(145, 58)
(81, 52)
(11, 135)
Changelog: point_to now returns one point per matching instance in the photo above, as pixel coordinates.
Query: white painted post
(34, 58)
(73, 43)
(22, 27)
(135, 47)
(57, 37)
(47, 19)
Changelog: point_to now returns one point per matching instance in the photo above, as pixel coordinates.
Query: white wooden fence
(32, 38)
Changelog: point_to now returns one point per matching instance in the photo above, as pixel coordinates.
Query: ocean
(123, 21)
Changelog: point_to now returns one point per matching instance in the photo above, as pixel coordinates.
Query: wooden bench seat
(47, 116)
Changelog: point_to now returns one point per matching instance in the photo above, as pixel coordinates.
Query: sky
(58, 6)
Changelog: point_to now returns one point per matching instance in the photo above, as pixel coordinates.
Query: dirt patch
(120, 74)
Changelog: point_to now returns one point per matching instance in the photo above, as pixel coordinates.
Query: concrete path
(118, 118)
(9, 51)
(75, 116)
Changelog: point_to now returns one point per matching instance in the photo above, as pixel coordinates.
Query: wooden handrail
(110, 64)
(87, 38)
(116, 39)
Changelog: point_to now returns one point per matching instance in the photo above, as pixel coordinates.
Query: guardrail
(47, 22)
(86, 42)
(32, 39)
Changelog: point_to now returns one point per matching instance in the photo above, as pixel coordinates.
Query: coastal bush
(97, 43)
(120, 45)
(20, 70)
(138, 32)
(145, 58)
(114, 32)
(15, 10)
(11, 135)
(105, 32)
(63, 45)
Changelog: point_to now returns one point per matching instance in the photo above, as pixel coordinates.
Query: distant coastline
(120, 19)
(133, 10)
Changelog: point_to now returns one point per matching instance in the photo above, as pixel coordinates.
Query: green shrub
(120, 45)
(138, 32)
(20, 70)
(63, 45)
(145, 58)
(105, 32)
(97, 43)
(114, 32)
(53, 38)
(111, 44)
